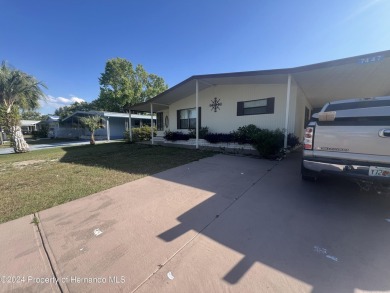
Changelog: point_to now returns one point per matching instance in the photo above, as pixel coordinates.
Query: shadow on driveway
(327, 234)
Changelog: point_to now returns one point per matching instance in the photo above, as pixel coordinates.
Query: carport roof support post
(287, 109)
(151, 123)
(196, 113)
(130, 132)
(108, 128)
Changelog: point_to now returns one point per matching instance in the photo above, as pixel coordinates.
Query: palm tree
(18, 91)
(92, 123)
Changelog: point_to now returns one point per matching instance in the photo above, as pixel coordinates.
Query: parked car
(350, 138)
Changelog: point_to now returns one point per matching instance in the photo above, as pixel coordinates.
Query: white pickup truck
(350, 138)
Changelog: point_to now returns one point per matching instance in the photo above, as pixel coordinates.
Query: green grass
(38, 180)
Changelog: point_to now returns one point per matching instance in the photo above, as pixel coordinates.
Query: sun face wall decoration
(215, 104)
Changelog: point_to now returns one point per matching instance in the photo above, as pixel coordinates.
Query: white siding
(226, 119)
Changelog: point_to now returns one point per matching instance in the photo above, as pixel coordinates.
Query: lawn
(38, 180)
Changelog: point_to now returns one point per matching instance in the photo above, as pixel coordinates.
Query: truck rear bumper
(355, 170)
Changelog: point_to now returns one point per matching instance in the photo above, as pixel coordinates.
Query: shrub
(292, 140)
(143, 133)
(219, 137)
(42, 133)
(203, 131)
(245, 134)
(269, 142)
(126, 136)
(140, 133)
(35, 134)
(176, 135)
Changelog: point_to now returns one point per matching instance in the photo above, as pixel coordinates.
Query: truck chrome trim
(384, 133)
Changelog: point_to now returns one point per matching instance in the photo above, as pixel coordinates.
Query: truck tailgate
(357, 139)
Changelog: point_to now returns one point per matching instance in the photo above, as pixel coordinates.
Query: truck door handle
(384, 133)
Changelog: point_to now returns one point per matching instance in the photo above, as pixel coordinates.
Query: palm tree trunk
(17, 140)
(92, 140)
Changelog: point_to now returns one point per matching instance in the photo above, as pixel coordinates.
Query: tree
(122, 86)
(66, 111)
(44, 117)
(31, 115)
(92, 123)
(18, 91)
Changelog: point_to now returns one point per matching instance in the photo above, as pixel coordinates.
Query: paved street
(46, 144)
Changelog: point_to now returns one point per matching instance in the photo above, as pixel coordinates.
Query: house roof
(53, 118)
(49, 119)
(321, 82)
(108, 114)
(29, 122)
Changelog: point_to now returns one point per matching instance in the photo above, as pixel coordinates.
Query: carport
(355, 77)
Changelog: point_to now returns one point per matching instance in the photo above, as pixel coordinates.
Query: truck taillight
(309, 135)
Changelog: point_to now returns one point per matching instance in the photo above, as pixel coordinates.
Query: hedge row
(142, 133)
(269, 143)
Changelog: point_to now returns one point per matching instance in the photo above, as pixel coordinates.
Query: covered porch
(113, 125)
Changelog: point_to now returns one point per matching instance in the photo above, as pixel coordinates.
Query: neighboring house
(52, 124)
(28, 126)
(281, 98)
(115, 124)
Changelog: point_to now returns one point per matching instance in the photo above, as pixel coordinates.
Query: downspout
(287, 109)
(197, 114)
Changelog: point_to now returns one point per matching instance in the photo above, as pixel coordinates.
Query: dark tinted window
(186, 118)
(254, 107)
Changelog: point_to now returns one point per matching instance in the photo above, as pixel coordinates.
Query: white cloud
(53, 103)
(60, 100)
(63, 101)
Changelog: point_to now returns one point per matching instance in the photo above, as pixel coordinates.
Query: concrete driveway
(221, 224)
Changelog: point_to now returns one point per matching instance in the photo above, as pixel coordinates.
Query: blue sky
(66, 43)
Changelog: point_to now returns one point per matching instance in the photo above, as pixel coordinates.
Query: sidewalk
(24, 264)
(34, 147)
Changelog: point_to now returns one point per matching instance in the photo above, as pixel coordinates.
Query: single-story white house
(115, 124)
(280, 98)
